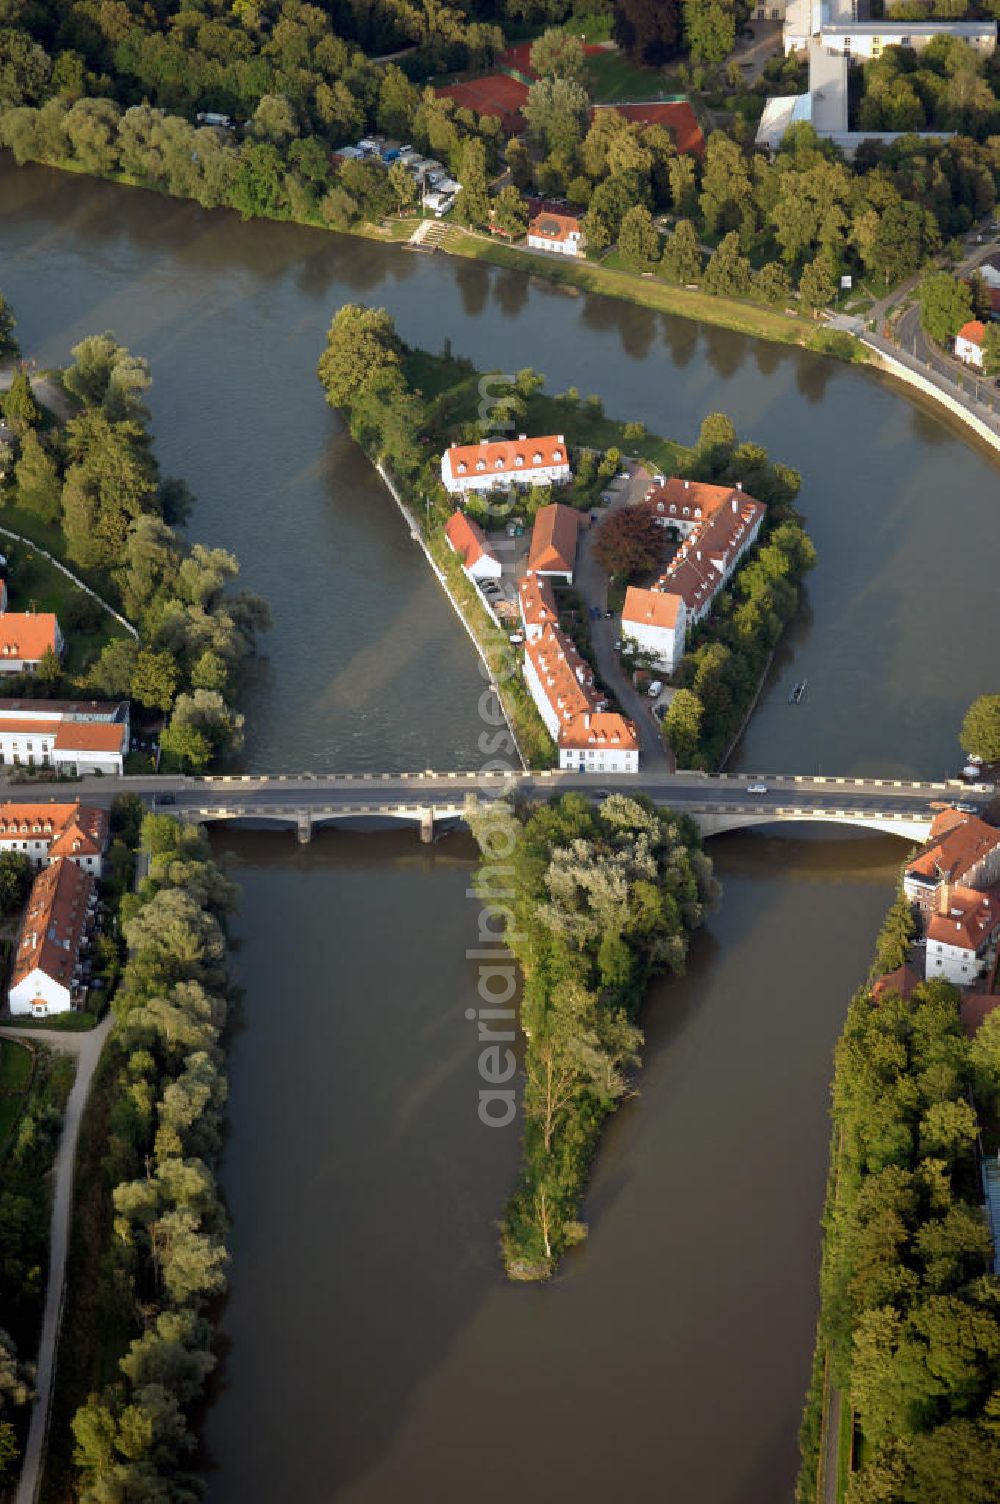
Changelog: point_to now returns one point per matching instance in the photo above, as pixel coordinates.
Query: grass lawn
(589, 28)
(15, 1075)
(35, 583)
(648, 292)
(611, 79)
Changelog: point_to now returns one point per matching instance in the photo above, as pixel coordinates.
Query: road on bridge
(284, 796)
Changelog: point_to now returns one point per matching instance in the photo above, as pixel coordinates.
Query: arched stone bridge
(717, 803)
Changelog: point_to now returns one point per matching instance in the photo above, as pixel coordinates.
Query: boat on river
(799, 690)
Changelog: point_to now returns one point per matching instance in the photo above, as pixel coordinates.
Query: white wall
(664, 644)
(541, 699)
(951, 963)
(569, 247)
(600, 759)
(485, 568)
(490, 480)
(39, 986)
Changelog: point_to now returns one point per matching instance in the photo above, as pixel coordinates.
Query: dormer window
(687, 511)
(697, 511)
(556, 456)
(462, 467)
(519, 459)
(536, 458)
(480, 464)
(498, 464)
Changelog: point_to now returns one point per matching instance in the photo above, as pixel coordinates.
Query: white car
(756, 788)
(656, 688)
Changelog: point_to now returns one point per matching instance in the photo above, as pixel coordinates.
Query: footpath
(87, 1049)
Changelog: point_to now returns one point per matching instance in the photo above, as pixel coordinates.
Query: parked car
(608, 615)
(659, 711)
(756, 788)
(618, 644)
(656, 688)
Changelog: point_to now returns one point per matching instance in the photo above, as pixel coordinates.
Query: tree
(19, 406)
(404, 186)
(92, 128)
(111, 675)
(8, 339)
(770, 284)
(817, 285)
(945, 305)
(648, 30)
(361, 347)
(980, 735)
(105, 374)
(728, 272)
(681, 254)
(39, 489)
(154, 679)
(709, 29)
(627, 541)
(49, 671)
(473, 202)
(557, 111)
(558, 54)
(682, 726)
(15, 880)
(519, 163)
(638, 239)
(510, 212)
(682, 176)
(991, 350)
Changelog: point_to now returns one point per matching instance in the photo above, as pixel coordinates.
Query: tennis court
(496, 94)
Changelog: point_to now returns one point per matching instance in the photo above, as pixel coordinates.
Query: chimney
(560, 438)
(687, 485)
(735, 505)
(739, 485)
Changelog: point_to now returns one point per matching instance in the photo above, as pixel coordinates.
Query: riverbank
(649, 291)
(148, 1254)
(597, 901)
(908, 1337)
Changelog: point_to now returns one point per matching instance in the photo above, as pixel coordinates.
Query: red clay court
(519, 57)
(496, 94)
(679, 116)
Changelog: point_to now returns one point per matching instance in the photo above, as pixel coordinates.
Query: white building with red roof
(590, 738)
(555, 537)
(560, 233)
(71, 736)
(969, 342)
(962, 851)
(962, 936)
(500, 463)
(25, 638)
(45, 831)
(47, 972)
(467, 539)
(657, 621)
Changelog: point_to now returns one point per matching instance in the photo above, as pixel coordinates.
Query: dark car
(167, 798)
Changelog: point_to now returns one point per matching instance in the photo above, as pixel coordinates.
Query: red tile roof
(652, 608)
(53, 925)
(27, 634)
(566, 680)
(467, 539)
(724, 517)
(554, 227)
(538, 602)
(505, 456)
(971, 918)
(975, 1007)
(73, 829)
(554, 539)
(953, 853)
(602, 728)
(89, 736)
(974, 331)
(902, 981)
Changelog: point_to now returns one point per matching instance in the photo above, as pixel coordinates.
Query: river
(374, 1351)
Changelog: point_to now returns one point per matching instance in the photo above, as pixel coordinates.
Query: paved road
(592, 583)
(285, 794)
(87, 1049)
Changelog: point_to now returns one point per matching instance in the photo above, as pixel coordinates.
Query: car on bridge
(756, 788)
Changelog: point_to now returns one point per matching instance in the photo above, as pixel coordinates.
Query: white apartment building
(657, 621)
(500, 463)
(47, 972)
(70, 736)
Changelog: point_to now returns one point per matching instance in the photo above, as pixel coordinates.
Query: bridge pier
(304, 830)
(427, 826)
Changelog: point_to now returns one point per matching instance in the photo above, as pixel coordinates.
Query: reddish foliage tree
(628, 541)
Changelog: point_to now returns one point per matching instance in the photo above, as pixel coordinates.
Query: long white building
(499, 463)
(70, 736)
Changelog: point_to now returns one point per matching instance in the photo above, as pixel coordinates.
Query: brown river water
(374, 1351)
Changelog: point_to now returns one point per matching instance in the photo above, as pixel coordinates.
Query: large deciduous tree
(628, 542)
(361, 348)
